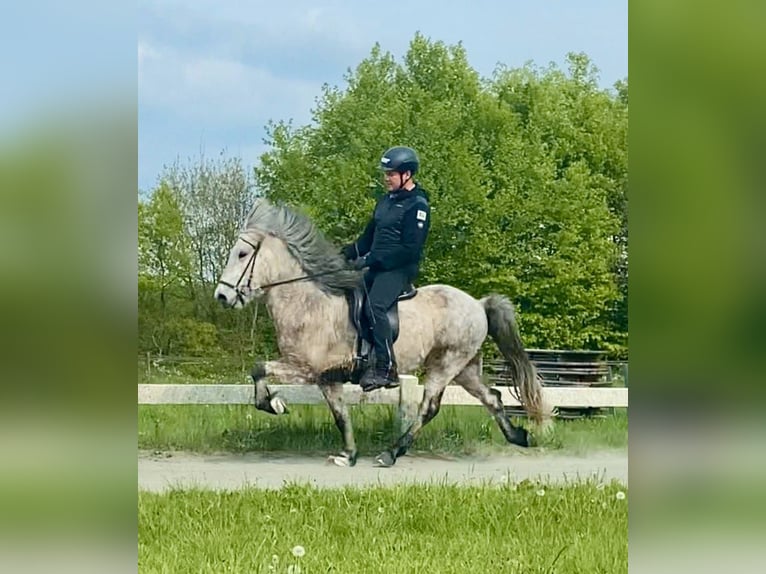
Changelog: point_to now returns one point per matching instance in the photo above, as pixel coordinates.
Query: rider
(390, 249)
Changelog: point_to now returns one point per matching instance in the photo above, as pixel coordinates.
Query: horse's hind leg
(433, 390)
(470, 379)
(333, 394)
(440, 369)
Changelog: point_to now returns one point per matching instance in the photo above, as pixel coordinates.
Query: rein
(302, 278)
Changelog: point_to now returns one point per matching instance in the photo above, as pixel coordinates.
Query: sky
(212, 73)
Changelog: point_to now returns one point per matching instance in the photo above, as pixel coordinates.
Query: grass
(456, 430)
(526, 527)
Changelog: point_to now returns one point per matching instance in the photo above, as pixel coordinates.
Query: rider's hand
(360, 263)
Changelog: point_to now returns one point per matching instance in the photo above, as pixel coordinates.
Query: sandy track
(158, 472)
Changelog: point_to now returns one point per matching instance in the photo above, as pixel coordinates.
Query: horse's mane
(314, 252)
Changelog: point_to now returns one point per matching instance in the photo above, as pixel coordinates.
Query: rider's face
(394, 180)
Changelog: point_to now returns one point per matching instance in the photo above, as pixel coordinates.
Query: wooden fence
(575, 382)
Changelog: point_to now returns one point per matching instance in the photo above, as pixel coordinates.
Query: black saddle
(363, 331)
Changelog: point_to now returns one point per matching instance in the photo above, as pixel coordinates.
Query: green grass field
(310, 429)
(514, 528)
(434, 528)
(523, 528)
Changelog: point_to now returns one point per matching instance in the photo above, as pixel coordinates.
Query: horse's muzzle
(222, 297)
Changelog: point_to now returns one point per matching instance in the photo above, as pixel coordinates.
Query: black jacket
(395, 236)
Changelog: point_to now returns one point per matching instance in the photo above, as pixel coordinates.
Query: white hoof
(339, 460)
(385, 460)
(278, 405)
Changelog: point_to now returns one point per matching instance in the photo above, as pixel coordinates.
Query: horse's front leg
(285, 372)
(333, 394)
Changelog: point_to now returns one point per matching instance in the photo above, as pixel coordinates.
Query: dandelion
(541, 492)
(603, 505)
(299, 551)
(620, 495)
(380, 510)
(248, 416)
(293, 510)
(274, 559)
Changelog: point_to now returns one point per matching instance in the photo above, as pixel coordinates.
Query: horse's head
(244, 272)
(279, 246)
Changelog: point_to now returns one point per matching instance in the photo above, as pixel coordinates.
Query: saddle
(364, 343)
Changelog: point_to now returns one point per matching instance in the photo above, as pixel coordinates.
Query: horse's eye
(242, 254)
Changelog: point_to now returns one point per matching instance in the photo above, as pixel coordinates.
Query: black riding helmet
(400, 159)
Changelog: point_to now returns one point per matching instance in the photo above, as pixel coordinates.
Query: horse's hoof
(522, 438)
(278, 406)
(344, 459)
(385, 459)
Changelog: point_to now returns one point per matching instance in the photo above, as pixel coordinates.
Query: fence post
(409, 400)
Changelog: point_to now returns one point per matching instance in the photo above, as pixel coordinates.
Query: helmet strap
(402, 182)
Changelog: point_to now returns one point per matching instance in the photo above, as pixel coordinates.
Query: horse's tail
(501, 318)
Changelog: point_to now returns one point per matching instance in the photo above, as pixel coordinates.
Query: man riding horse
(281, 258)
(390, 248)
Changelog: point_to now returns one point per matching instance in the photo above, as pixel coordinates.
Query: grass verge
(524, 527)
(456, 430)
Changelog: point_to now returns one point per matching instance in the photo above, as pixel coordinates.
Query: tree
(163, 256)
(215, 197)
(527, 173)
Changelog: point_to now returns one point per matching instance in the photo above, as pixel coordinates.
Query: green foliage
(192, 337)
(163, 251)
(527, 173)
(511, 526)
(186, 228)
(215, 196)
(310, 429)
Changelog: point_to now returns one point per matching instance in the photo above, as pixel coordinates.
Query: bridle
(250, 266)
(239, 289)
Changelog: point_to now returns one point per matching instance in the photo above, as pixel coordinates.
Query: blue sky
(211, 73)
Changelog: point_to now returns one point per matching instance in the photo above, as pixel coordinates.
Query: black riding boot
(383, 289)
(375, 378)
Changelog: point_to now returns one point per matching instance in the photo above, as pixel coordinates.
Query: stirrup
(376, 381)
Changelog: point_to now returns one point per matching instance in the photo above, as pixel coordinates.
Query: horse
(280, 257)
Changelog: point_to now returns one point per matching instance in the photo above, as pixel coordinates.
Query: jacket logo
(421, 215)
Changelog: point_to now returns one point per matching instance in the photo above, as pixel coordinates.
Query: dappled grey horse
(441, 329)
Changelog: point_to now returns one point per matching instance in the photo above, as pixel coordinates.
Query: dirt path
(228, 471)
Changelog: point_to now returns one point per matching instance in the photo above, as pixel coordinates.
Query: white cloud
(229, 64)
(327, 26)
(213, 72)
(218, 91)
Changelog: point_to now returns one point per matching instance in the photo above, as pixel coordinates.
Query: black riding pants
(382, 289)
